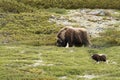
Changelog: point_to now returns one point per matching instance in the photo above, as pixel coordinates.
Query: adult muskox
(72, 36)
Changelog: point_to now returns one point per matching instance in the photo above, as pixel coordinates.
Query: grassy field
(27, 43)
(22, 62)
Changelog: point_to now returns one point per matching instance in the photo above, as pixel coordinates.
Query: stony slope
(94, 20)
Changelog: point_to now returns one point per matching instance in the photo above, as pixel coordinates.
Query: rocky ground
(94, 20)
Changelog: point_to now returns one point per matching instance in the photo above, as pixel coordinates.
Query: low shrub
(56, 10)
(14, 6)
(27, 28)
(73, 4)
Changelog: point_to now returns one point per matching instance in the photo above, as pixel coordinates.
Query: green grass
(22, 62)
(57, 10)
(108, 38)
(27, 40)
(18, 6)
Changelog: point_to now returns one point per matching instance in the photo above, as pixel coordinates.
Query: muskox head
(61, 43)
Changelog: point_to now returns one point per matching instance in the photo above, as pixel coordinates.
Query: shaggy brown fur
(73, 36)
(98, 57)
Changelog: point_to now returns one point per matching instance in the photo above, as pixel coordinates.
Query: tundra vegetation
(27, 43)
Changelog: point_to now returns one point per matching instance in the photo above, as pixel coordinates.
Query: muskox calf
(99, 57)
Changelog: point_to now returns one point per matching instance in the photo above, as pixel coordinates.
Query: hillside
(22, 18)
(20, 23)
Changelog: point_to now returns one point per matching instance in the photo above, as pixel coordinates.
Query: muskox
(99, 57)
(72, 37)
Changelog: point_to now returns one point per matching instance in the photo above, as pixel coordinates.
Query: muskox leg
(70, 44)
(106, 62)
(67, 45)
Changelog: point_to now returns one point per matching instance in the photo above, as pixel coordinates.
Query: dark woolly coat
(98, 57)
(73, 36)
